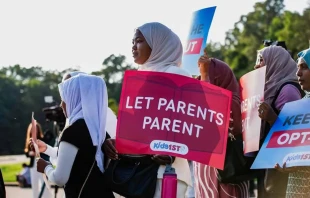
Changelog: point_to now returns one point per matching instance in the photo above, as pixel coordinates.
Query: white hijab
(166, 47)
(111, 117)
(166, 56)
(86, 97)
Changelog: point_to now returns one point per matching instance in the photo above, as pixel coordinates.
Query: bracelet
(170, 159)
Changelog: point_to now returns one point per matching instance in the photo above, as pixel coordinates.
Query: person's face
(141, 51)
(260, 62)
(63, 106)
(303, 74)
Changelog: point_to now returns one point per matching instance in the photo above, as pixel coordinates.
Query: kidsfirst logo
(297, 157)
(172, 147)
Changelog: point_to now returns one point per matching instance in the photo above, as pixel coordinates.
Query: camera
(55, 114)
(276, 43)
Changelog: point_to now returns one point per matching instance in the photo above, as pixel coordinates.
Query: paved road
(12, 159)
(17, 192)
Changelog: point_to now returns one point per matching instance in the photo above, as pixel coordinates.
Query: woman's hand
(41, 164)
(41, 145)
(163, 159)
(109, 149)
(203, 64)
(266, 113)
(285, 169)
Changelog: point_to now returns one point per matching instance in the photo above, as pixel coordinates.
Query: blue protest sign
(289, 138)
(197, 39)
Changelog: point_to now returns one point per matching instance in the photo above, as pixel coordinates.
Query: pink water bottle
(169, 184)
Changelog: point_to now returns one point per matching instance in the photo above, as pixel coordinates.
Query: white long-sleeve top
(52, 152)
(66, 156)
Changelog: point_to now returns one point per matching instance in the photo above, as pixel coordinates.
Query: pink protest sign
(252, 93)
(163, 113)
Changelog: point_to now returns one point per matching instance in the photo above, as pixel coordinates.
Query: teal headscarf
(305, 54)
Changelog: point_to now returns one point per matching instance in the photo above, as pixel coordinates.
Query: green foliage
(269, 20)
(23, 90)
(113, 105)
(10, 171)
(113, 72)
(216, 50)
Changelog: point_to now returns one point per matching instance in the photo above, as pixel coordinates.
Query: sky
(59, 34)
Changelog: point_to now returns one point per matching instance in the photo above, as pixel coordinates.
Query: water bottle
(169, 184)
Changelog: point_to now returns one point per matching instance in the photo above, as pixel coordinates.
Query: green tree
(249, 32)
(23, 91)
(269, 20)
(10, 115)
(113, 105)
(113, 72)
(215, 50)
(295, 31)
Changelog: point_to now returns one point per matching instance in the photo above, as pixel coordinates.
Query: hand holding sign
(288, 141)
(41, 145)
(163, 159)
(203, 64)
(267, 113)
(109, 148)
(41, 165)
(285, 169)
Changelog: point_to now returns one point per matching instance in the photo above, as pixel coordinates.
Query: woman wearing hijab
(207, 184)
(281, 86)
(80, 162)
(298, 185)
(156, 48)
(303, 71)
(110, 125)
(280, 73)
(111, 117)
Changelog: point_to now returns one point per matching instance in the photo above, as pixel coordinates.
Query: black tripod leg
(56, 190)
(42, 190)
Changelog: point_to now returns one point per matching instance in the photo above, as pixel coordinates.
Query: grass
(9, 171)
